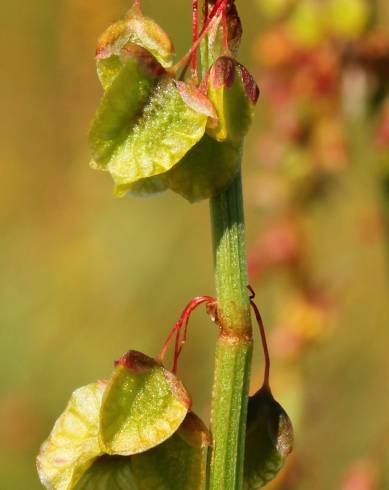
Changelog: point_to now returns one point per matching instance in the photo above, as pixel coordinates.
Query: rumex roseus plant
(163, 125)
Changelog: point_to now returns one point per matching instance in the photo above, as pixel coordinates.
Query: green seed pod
(149, 130)
(145, 124)
(143, 405)
(269, 439)
(179, 463)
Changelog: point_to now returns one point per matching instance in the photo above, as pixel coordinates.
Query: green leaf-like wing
(136, 28)
(73, 443)
(141, 129)
(122, 103)
(234, 93)
(206, 169)
(177, 464)
(143, 405)
(166, 131)
(197, 101)
(108, 69)
(109, 473)
(145, 32)
(269, 440)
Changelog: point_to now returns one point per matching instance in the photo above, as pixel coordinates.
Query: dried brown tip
(250, 85)
(136, 361)
(223, 72)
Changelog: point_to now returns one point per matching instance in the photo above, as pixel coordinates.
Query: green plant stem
(234, 345)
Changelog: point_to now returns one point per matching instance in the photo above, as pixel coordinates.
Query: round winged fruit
(144, 123)
(124, 433)
(143, 405)
(177, 464)
(149, 131)
(143, 126)
(269, 439)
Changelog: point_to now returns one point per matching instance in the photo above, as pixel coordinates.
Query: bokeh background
(85, 276)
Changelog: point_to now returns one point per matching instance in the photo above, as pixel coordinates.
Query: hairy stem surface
(234, 345)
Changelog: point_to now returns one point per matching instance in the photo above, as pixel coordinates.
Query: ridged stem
(234, 345)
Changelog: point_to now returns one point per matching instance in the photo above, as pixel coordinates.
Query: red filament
(195, 34)
(176, 330)
(263, 337)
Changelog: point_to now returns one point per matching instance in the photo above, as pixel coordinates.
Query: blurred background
(85, 276)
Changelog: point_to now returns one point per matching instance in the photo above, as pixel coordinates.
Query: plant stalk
(234, 345)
